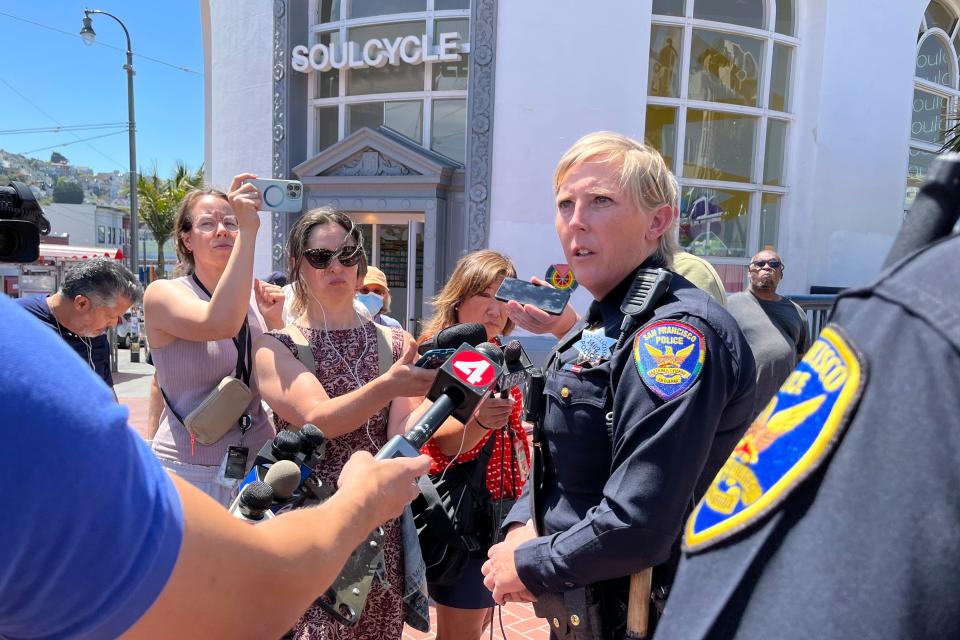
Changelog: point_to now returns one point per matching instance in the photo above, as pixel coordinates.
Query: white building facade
(436, 124)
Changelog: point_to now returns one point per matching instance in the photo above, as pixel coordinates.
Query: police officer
(837, 515)
(644, 399)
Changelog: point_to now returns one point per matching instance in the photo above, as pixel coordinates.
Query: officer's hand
(537, 321)
(500, 571)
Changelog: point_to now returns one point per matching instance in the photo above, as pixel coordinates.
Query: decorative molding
(281, 221)
(483, 46)
(370, 163)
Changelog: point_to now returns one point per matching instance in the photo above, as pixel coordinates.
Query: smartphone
(279, 195)
(548, 299)
(434, 358)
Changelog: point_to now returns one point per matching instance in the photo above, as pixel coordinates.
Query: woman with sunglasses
(344, 394)
(193, 323)
(495, 434)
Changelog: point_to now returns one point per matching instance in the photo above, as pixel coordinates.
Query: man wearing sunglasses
(775, 327)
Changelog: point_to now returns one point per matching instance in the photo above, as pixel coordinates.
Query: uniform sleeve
(520, 512)
(659, 452)
(98, 522)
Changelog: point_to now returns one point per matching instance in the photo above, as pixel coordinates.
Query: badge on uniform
(787, 442)
(594, 346)
(669, 356)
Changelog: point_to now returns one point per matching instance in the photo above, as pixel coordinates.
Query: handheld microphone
(472, 333)
(284, 478)
(461, 384)
(253, 503)
(518, 368)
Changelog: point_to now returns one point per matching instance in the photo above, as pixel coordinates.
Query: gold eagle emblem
(740, 481)
(668, 369)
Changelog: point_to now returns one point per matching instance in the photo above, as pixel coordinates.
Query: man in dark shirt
(93, 297)
(775, 327)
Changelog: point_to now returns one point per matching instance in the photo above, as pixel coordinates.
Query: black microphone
(461, 384)
(313, 444)
(253, 503)
(472, 333)
(517, 367)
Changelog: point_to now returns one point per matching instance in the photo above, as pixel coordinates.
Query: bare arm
(173, 312)
(287, 562)
(154, 409)
(295, 394)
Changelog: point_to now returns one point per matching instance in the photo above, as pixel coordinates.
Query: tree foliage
(68, 192)
(159, 200)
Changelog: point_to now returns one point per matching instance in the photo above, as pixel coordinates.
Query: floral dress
(342, 357)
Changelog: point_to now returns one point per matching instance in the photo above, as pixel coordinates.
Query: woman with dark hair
(495, 433)
(193, 325)
(359, 386)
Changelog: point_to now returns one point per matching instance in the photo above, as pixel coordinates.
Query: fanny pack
(226, 405)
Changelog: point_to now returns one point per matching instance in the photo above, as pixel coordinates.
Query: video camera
(21, 224)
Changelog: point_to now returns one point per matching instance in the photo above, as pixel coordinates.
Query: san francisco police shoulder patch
(669, 356)
(787, 442)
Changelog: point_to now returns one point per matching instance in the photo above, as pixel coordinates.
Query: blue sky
(74, 84)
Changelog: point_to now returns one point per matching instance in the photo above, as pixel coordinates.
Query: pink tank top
(187, 371)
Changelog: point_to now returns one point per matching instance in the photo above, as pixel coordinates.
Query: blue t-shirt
(92, 524)
(94, 351)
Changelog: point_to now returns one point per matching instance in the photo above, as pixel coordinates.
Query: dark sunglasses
(760, 264)
(348, 256)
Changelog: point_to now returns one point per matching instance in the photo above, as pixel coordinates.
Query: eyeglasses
(760, 264)
(209, 225)
(348, 256)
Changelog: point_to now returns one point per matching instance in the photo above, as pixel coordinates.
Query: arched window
(934, 90)
(719, 110)
(425, 99)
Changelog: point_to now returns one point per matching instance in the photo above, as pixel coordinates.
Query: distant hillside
(105, 188)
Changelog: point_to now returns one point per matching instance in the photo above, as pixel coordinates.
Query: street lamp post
(88, 35)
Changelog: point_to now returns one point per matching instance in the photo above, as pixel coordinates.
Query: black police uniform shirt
(93, 351)
(838, 515)
(610, 510)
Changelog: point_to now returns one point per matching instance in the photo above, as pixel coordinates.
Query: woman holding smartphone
(197, 327)
(495, 433)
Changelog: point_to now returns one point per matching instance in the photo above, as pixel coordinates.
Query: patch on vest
(669, 356)
(787, 442)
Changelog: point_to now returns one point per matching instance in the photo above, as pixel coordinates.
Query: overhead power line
(65, 128)
(57, 122)
(67, 144)
(102, 44)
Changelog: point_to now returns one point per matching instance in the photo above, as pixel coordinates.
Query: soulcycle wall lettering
(377, 52)
(929, 117)
(934, 67)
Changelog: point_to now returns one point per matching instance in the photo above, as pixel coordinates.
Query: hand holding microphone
(380, 488)
(461, 384)
(405, 379)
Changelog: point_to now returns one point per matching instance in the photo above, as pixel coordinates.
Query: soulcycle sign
(376, 53)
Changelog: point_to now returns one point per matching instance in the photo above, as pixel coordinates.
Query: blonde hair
(473, 274)
(642, 172)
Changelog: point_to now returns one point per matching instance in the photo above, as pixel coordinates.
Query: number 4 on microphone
(472, 368)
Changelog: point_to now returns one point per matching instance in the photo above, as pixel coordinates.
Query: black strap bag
(453, 518)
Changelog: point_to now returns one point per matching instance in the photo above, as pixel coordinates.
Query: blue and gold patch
(669, 356)
(787, 442)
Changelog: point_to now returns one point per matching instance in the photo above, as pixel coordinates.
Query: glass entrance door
(394, 243)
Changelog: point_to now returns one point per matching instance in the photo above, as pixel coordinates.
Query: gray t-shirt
(776, 332)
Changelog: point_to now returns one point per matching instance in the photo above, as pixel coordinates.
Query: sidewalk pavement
(132, 384)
